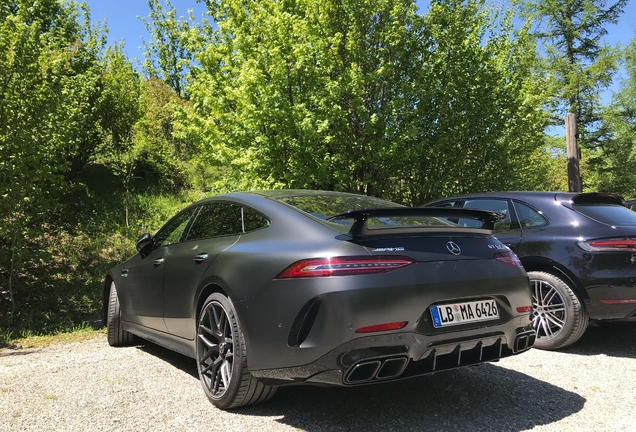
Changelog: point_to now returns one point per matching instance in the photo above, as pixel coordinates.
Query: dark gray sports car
(283, 287)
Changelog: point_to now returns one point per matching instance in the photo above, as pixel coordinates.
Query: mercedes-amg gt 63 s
(284, 287)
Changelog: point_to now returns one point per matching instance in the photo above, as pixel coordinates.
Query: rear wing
(595, 198)
(360, 218)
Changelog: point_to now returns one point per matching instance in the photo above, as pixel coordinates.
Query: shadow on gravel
(615, 342)
(9, 352)
(478, 398)
(180, 361)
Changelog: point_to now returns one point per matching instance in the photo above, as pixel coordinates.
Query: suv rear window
(614, 215)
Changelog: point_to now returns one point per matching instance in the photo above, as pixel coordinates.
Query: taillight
(608, 245)
(343, 266)
(508, 257)
(522, 309)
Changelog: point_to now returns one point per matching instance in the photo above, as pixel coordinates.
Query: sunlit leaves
(365, 96)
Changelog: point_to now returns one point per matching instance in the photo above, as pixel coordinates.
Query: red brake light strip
(343, 266)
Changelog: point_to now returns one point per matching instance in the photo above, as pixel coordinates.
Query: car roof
(541, 195)
(511, 194)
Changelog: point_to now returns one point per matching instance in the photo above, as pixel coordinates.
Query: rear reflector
(382, 327)
(508, 257)
(618, 302)
(522, 309)
(343, 266)
(609, 245)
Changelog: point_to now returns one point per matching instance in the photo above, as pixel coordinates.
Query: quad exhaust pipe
(376, 369)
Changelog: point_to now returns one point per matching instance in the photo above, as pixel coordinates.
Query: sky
(123, 22)
(122, 19)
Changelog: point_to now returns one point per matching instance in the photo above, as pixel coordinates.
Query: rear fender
(553, 267)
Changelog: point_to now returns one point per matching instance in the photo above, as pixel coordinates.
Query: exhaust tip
(364, 371)
(392, 368)
(524, 341)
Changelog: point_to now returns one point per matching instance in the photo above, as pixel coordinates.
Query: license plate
(464, 313)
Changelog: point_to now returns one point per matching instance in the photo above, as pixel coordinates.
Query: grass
(58, 292)
(39, 341)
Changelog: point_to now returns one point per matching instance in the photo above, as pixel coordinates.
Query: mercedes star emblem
(453, 248)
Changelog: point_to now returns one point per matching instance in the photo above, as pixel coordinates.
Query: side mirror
(144, 244)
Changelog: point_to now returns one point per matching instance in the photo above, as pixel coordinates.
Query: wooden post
(574, 154)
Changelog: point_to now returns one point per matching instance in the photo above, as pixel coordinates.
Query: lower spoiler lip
(360, 217)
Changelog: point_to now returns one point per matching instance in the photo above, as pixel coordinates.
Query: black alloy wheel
(222, 357)
(215, 349)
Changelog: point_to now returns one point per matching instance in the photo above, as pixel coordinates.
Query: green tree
(34, 60)
(575, 58)
(167, 54)
(617, 153)
(63, 102)
(364, 96)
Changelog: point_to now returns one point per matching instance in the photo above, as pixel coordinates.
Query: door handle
(124, 272)
(158, 262)
(200, 258)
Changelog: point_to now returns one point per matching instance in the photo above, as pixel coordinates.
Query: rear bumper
(294, 323)
(402, 355)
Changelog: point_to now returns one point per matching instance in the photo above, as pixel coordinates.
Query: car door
(142, 301)
(507, 230)
(217, 226)
(536, 240)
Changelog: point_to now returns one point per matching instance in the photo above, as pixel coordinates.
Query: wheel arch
(548, 266)
(207, 290)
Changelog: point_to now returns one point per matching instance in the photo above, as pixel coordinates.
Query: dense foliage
(368, 96)
(373, 98)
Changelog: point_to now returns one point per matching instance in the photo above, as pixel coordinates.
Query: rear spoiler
(360, 217)
(592, 198)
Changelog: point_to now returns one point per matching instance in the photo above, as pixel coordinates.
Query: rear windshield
(614, 215)
(326, 206)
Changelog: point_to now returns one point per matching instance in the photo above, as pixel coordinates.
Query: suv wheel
(559, 317)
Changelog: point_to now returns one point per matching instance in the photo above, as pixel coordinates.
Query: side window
(216, 220)
(529, 217)
(253, 220)
(173, 230)
(493, 205)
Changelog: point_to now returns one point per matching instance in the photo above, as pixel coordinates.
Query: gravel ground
(88, 386)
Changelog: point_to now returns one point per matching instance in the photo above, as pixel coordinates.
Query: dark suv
(631, 204)
(579, 251)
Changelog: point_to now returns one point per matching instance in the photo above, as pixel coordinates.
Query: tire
(116, 334)
(558, 316)
(222, 358)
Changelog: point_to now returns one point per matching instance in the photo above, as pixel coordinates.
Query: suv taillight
(508, 258)
(608, 245)
(343, 266)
